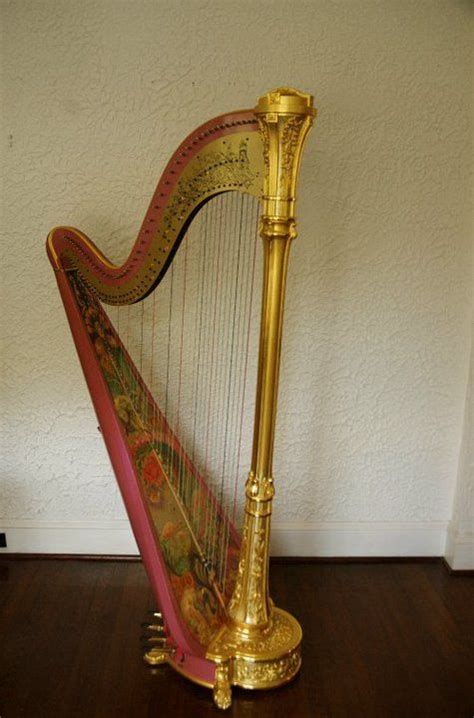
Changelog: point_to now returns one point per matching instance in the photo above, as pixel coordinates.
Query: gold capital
(285, 117)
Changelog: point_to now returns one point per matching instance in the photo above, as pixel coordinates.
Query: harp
(170, 342)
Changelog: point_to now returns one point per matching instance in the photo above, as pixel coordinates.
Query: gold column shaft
(259, 647)
(285, 117)
(250, 606)
(276, 252)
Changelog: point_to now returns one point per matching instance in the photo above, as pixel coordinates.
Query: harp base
(255, 659)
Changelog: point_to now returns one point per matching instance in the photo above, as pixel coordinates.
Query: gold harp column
(260, 646)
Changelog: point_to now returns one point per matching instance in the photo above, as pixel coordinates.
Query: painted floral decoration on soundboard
(200, 609)
(155, 450)
(176, 544)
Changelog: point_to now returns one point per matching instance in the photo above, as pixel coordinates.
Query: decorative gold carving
(289, 142)
(260, 658)
(275, 638)
(259, 488)
(222, 687)
(227, 167)
(234, 162)
(249, 605)
(258, 674)
(257, 610)
(266, 141)
(237, 593)
(262, 641)
(285, 117)
(277, 228)
(286, 100)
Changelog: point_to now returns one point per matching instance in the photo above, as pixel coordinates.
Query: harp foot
(222, 686)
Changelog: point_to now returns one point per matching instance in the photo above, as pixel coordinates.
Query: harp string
(226, 365)
(180, 363)
(211, 303)
(152, 367)
(223, 211)
(253, 225)
(224, 215)
(198, 334)
(228, 403)
(142, 328)
(168, 360)
(194, 340)
(212, 386)
(243, 324)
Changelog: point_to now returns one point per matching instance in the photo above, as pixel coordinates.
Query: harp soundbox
(179, 357)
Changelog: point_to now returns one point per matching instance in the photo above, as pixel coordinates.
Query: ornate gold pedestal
(264, 658)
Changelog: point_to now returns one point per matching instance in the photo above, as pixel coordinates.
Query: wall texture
(97, 94)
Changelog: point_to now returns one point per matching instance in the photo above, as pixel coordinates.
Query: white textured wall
(376, 353)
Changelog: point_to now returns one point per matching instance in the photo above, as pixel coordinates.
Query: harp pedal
(155, 641)
(156, 656)
(155, 627)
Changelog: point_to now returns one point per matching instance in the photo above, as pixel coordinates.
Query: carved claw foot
(222, 686)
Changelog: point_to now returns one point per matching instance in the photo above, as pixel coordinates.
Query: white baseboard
(326, 539)
(69, 537)
(364, 538)
(460, 549)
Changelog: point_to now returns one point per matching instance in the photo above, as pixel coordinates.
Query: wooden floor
(389, 639)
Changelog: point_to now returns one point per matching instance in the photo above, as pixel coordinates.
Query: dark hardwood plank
(381, 639)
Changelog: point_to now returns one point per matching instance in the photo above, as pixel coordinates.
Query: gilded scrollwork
(263, 127)
(284, 116)
(226, 168)
(257, 674)
(277, 636)
(290, 139)
(259, 488)
(230, 163)
(222, 686)
(237, 594)
(257, 608)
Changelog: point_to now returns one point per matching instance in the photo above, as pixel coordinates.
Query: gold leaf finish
(222, 687)
(263, 642)
(230, 163)
(268, 674)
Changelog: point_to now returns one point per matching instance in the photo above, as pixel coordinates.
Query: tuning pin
(156, 614)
